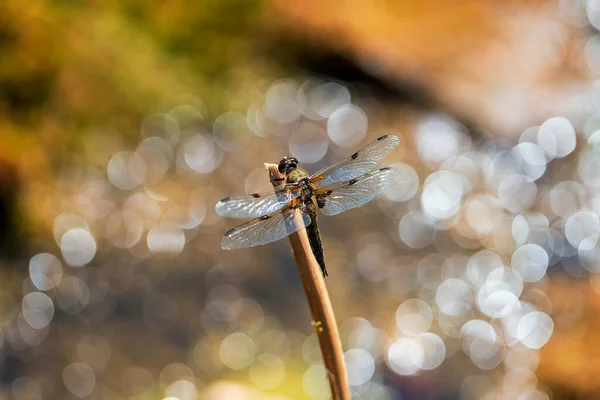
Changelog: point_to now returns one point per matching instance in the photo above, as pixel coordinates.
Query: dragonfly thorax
(298, 176)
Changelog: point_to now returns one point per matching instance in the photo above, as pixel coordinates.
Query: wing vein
(258, 204)
(266, 229)
(346, 196)
(362, 162)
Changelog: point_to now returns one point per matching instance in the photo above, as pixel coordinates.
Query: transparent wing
(359, 191)
(266, 229)
(362, 162)
(257, 204)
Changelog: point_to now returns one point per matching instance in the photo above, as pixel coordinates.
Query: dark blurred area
(123, 123)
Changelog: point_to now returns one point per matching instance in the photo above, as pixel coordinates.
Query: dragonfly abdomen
(314, 237)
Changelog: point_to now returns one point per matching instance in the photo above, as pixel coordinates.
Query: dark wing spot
(321, 200)
(352, 182)
(382, 137)
(264, 217)
(229, 232)
(255, 195)
(329, 193)
(225, 199)
(354, 156)
(384, 168)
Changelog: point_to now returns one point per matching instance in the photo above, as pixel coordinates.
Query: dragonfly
(293, 205)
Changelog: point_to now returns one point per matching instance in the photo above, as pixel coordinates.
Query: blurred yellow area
(74, 71)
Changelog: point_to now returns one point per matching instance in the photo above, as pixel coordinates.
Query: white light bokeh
(157, 154)
(416, 230)
(406, 187)
(311, 351)
(64, 222)
(45, 271)
(434, 350)
(182, 390)
(78, 247)
(126, 170)
(360, 366)
(582, 227)
(146, 208)
(535, 329)
(534, 159)
(530, 261)
(556, 137)
(480, 343)
(327, 97)
(566, 197)
(231, 132)
(442, 194)
(481, 214)
(508, 278)
(166, 238)
(438, 139)
(79, 379)
(308, 143)
(406, 356)
(305, 100)
(202, 155)
(481, 264)
(281, 101)
(414, 316)
(593, 13)
(517, 192)
(365, 336)
(372, 262)
(453, 297)
(533, 394)
(347, 126)
(497, 302)
(38, 310)
(238, 351)
(124, 229)
(175, 372)
(315, 384)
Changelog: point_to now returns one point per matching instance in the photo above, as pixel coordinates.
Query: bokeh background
(123, 123)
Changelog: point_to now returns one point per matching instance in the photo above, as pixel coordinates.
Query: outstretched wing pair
(348, 184)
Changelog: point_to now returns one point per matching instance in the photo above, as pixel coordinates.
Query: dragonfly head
(287, 165)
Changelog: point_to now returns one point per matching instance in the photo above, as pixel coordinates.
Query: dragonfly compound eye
(281, 166)
(287, 165)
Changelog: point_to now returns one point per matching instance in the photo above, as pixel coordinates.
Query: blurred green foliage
(70, 67)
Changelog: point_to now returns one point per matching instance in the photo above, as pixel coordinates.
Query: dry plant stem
(320, 306)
